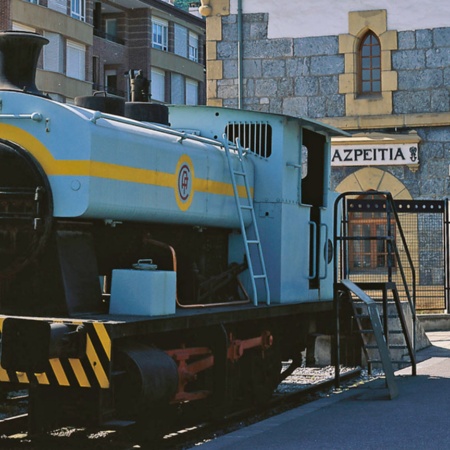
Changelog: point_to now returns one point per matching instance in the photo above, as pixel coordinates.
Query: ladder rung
(249, 206)
(364, 331)
(361, 316)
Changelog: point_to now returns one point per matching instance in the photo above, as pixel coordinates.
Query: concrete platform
(364, 418)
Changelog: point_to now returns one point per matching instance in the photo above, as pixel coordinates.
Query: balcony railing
(108, 37)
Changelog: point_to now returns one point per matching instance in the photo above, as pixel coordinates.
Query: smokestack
(19, 54)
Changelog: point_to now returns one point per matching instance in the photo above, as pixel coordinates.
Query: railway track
(297, 389)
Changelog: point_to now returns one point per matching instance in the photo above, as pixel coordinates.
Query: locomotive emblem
(184, 191)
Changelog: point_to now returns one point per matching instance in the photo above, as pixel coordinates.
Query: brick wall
(5, 22)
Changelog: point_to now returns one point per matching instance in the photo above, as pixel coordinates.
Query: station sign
(367, 151)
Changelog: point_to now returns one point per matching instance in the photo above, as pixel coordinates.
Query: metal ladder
(250, 234)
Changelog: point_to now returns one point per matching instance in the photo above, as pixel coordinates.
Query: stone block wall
(300, 77)
(422, 62)
(297, 77)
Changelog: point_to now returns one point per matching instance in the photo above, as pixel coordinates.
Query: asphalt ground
(364, 417)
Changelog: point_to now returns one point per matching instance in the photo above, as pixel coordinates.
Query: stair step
(394, 361)
(366, 316)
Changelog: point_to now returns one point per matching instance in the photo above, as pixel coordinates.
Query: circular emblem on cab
(184, 191)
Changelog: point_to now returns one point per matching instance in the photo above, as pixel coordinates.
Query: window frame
(78, 10)
(153, 85)
(358, 223)
(80, 50)
(193, 44)
(162, 26)
(191, 91)
(369, 65)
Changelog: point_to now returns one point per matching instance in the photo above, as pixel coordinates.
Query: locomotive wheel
(260, 374)
(147, 379)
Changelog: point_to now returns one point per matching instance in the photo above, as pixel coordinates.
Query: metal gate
(425, 224)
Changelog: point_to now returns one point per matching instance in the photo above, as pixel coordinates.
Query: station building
(97, 45)
(375, 68)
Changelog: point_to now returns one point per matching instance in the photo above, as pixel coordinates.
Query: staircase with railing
(379, 304)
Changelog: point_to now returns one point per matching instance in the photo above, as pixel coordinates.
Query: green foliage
(183, 4)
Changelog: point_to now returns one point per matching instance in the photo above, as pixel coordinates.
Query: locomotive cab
(293, 205)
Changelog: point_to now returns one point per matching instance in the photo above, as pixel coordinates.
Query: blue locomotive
(152, 256)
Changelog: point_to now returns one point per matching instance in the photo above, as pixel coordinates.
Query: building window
(191, 92)
(54, 53)
(57, 5)
(160, 32)
(180, 40)
(96, 73)
(111, 29)
(193, 47)
(371, 253)
(78, 9)
(19, 27)
(111, 81)
(75, 60)
(370, 65)
(158, 85)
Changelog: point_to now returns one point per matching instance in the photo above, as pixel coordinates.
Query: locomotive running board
(377, 328)
(250, 234)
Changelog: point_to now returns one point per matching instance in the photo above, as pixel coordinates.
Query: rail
(182, 135)
(37, 117)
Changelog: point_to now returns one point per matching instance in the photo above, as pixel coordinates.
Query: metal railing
(342, 237)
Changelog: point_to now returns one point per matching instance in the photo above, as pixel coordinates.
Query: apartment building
(98, 45)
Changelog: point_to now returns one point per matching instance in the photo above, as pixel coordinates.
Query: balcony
(108, 37)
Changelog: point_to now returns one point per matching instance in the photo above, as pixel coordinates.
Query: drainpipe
(240, 55)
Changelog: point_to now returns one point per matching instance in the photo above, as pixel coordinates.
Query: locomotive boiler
(147, 263)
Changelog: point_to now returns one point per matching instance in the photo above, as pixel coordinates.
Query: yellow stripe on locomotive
(124, 175)
(82, 358)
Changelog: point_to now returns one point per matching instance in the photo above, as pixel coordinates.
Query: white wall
(301, 18)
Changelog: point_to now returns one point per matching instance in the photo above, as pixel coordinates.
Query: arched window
(370, 65)
(370, 254)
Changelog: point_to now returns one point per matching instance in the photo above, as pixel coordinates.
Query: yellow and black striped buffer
(92, 370)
